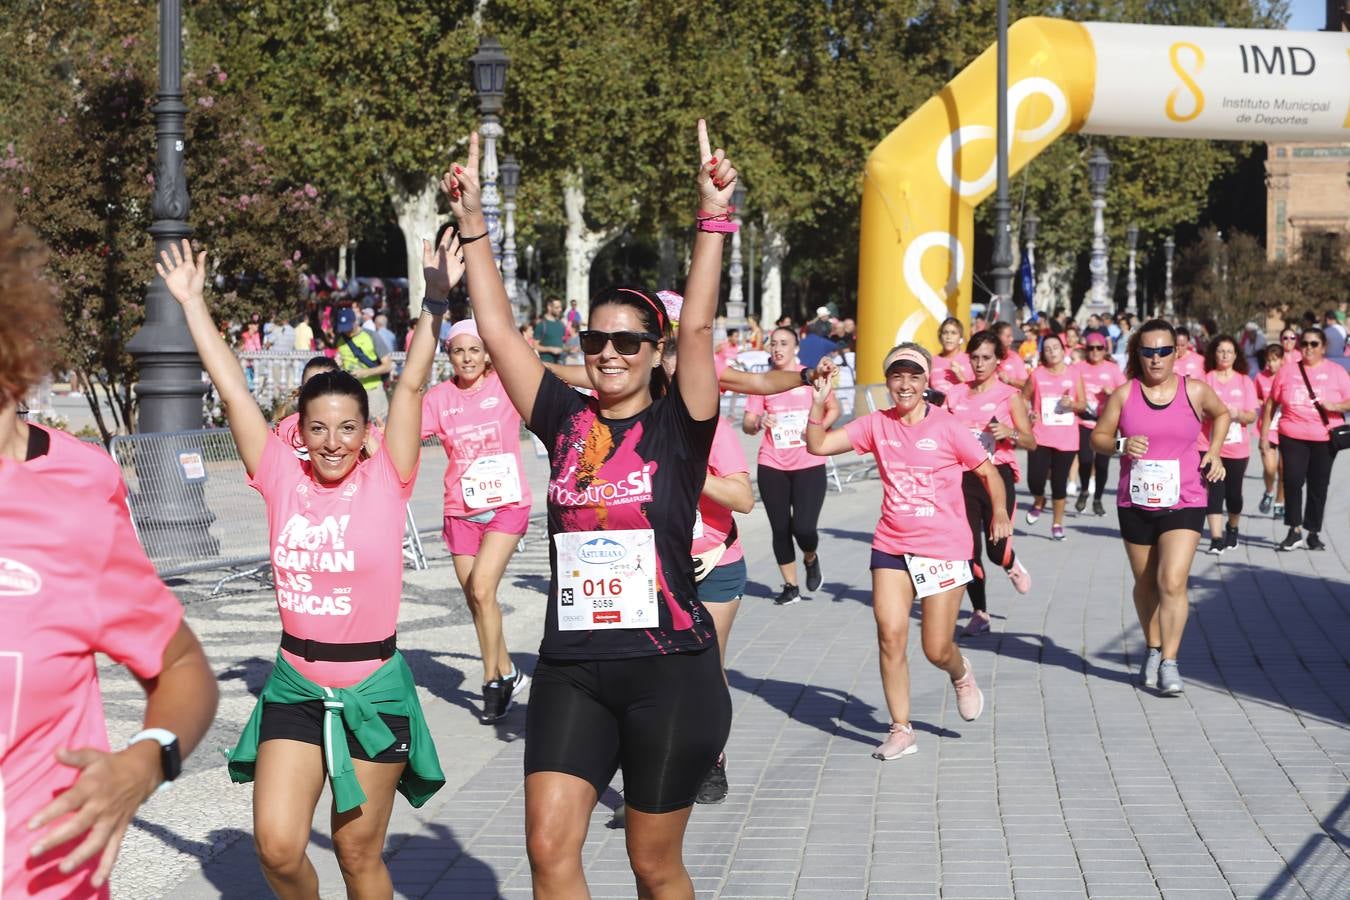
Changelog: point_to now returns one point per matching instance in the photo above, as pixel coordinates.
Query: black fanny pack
(322, 651)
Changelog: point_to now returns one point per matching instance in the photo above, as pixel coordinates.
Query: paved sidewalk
(1074, 783)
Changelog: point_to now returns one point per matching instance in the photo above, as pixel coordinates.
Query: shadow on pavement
(235, 872)
(1310, 868)
(1040, 648)
(434, 858)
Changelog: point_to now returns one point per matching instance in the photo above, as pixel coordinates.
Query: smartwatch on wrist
(1120, 445)
(170, 759)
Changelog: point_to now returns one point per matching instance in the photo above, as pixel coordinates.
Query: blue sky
(1307, 15)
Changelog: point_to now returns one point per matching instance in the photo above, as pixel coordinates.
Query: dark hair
(1212, 351)
(1268, 351)
(316, 364)
(652, 312)
(1313, 329)
(997, 327)
(1054, 336)
(334, 382)
(952, 320)
(1132, 367)
(988, 336)
(788, 331)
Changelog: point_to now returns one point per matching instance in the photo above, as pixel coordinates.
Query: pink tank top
(1172, 432)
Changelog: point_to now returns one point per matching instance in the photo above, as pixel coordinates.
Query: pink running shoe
(978, 624)
(969, 697)
(1020, 577)
(901, 742)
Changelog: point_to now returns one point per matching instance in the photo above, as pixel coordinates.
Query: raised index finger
(473, 153)
(704, 148)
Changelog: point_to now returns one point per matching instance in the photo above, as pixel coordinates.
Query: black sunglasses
(625, 342)
(1310, 343)
(1150, 352)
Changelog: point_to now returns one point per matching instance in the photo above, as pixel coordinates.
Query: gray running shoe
(1169, 679)
(1148, 673)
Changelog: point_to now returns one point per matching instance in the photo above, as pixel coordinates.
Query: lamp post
(1169, 249)
(510, 182)
(1030, 224)
(489, 83)
(1131, 285)
(172, 509)
(1002, 259)
(1099, 171)
(736, 296)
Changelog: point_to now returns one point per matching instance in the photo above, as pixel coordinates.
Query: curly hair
(30, 318)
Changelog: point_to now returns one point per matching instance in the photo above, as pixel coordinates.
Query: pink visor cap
(464, 326)
(908, 355)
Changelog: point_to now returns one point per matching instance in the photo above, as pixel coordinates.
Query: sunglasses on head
(1150, 352)
(1310, 343)
(626, 343)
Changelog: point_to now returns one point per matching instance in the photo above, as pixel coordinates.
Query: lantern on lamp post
(510, 183)
(489, 83)
(1099, 172)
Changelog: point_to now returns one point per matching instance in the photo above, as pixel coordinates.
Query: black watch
(170, 758)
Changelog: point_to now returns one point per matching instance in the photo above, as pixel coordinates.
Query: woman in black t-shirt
(628, 674)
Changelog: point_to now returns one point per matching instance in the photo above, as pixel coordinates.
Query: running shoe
(1293, 541)
(978, 624)
(1217, 546)
(1278, 511)
(1081, 503)
(1315, 542)
(813, 573)
(1266, 501)
(496, 699)
(789, 594)
(1020, 577)
(1230, 536)
(1056, 532)
(901, 742)
(714, 787)
(520, 683)
(1169, 678)
(1097, 508)
(969, 697)
(1148, 673)
(1033, 514)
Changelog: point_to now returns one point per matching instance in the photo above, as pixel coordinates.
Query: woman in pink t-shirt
(1100, 376)
(487, 499)
(1056, 395)
(1162, 497)
(1312, 394)
(1226, 374)
(1272, 470)
(791, 481)
(335, 523)
(951, 365)
(996, 414)
(922, 545)
(1289, 344)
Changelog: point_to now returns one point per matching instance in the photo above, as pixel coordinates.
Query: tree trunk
(774, 249)
(582, 243)
(417, 219)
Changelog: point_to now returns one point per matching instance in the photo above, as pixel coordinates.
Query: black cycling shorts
(1142, 526)
(304, 722)
(663, 720)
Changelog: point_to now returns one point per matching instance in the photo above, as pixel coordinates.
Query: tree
(1224, 280)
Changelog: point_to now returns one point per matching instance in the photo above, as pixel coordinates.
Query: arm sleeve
(675, 414)
(726, 457)
(275, 469)
(859, 433)
(554, 404)
(969, 451)
(754, 403)
(136, 613)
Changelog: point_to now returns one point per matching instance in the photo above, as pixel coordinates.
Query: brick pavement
(1074, 783)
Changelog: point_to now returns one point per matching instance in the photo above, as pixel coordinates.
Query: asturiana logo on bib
(926, 444)
(601, 550)
(17, 579)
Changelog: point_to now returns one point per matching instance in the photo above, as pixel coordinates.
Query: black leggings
(1089, 462)
(792, 500)
(1228, 491)
(1305, 461)
(1045, 461)
(980, 513)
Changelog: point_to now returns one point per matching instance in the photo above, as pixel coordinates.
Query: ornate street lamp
(510, 182)
(1131, 285)
(1031, 223)
(489, 83)
(1002, 259)
(1169, 249)
(736, 297)
(1099, 171)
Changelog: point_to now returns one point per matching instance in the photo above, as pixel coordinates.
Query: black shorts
(883, 560)
(662, 719)
(304, 722)
(1142, 526)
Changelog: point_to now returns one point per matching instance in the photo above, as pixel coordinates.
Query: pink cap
(1096, 339)
(464, 326)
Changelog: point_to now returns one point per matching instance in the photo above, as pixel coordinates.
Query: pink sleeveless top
(1172, 432)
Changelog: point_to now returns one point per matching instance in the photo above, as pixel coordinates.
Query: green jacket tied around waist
(389, 690)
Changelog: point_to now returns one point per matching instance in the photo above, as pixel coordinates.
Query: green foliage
(1227, 280)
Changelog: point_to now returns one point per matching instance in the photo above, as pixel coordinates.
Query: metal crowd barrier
(274, 375)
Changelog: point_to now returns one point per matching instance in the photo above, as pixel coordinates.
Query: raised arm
(517, 365)
(442, 269)
(820, 440)
(185, 277)
(573, 376)
(716, 180)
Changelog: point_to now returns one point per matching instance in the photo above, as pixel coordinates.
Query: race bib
(986, 439)
(933, 576)
(606, 579)
(698, 523)
(788, 428)
(1234, 435)
(1050, 412)
(491, 481)
(1155, 483)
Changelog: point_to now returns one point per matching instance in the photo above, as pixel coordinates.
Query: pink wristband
(718, 225)
(811, 421)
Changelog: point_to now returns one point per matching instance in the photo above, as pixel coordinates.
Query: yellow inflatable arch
(923, 182)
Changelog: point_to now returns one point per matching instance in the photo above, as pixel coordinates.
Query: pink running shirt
(337, 554)
(1237, 393)
(943, 376)
(922, 508)
(976, 410)
(470, 425)
(1192, 365)
(725, 458)
(81, 465)
(1172, 431)
(1099, 381)
(1013, 367)
(1264, 379)
(1048, 387)
(1300, 420)
(790, 408)
(63, 600)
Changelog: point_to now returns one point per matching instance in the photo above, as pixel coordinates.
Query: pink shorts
(463, 537)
